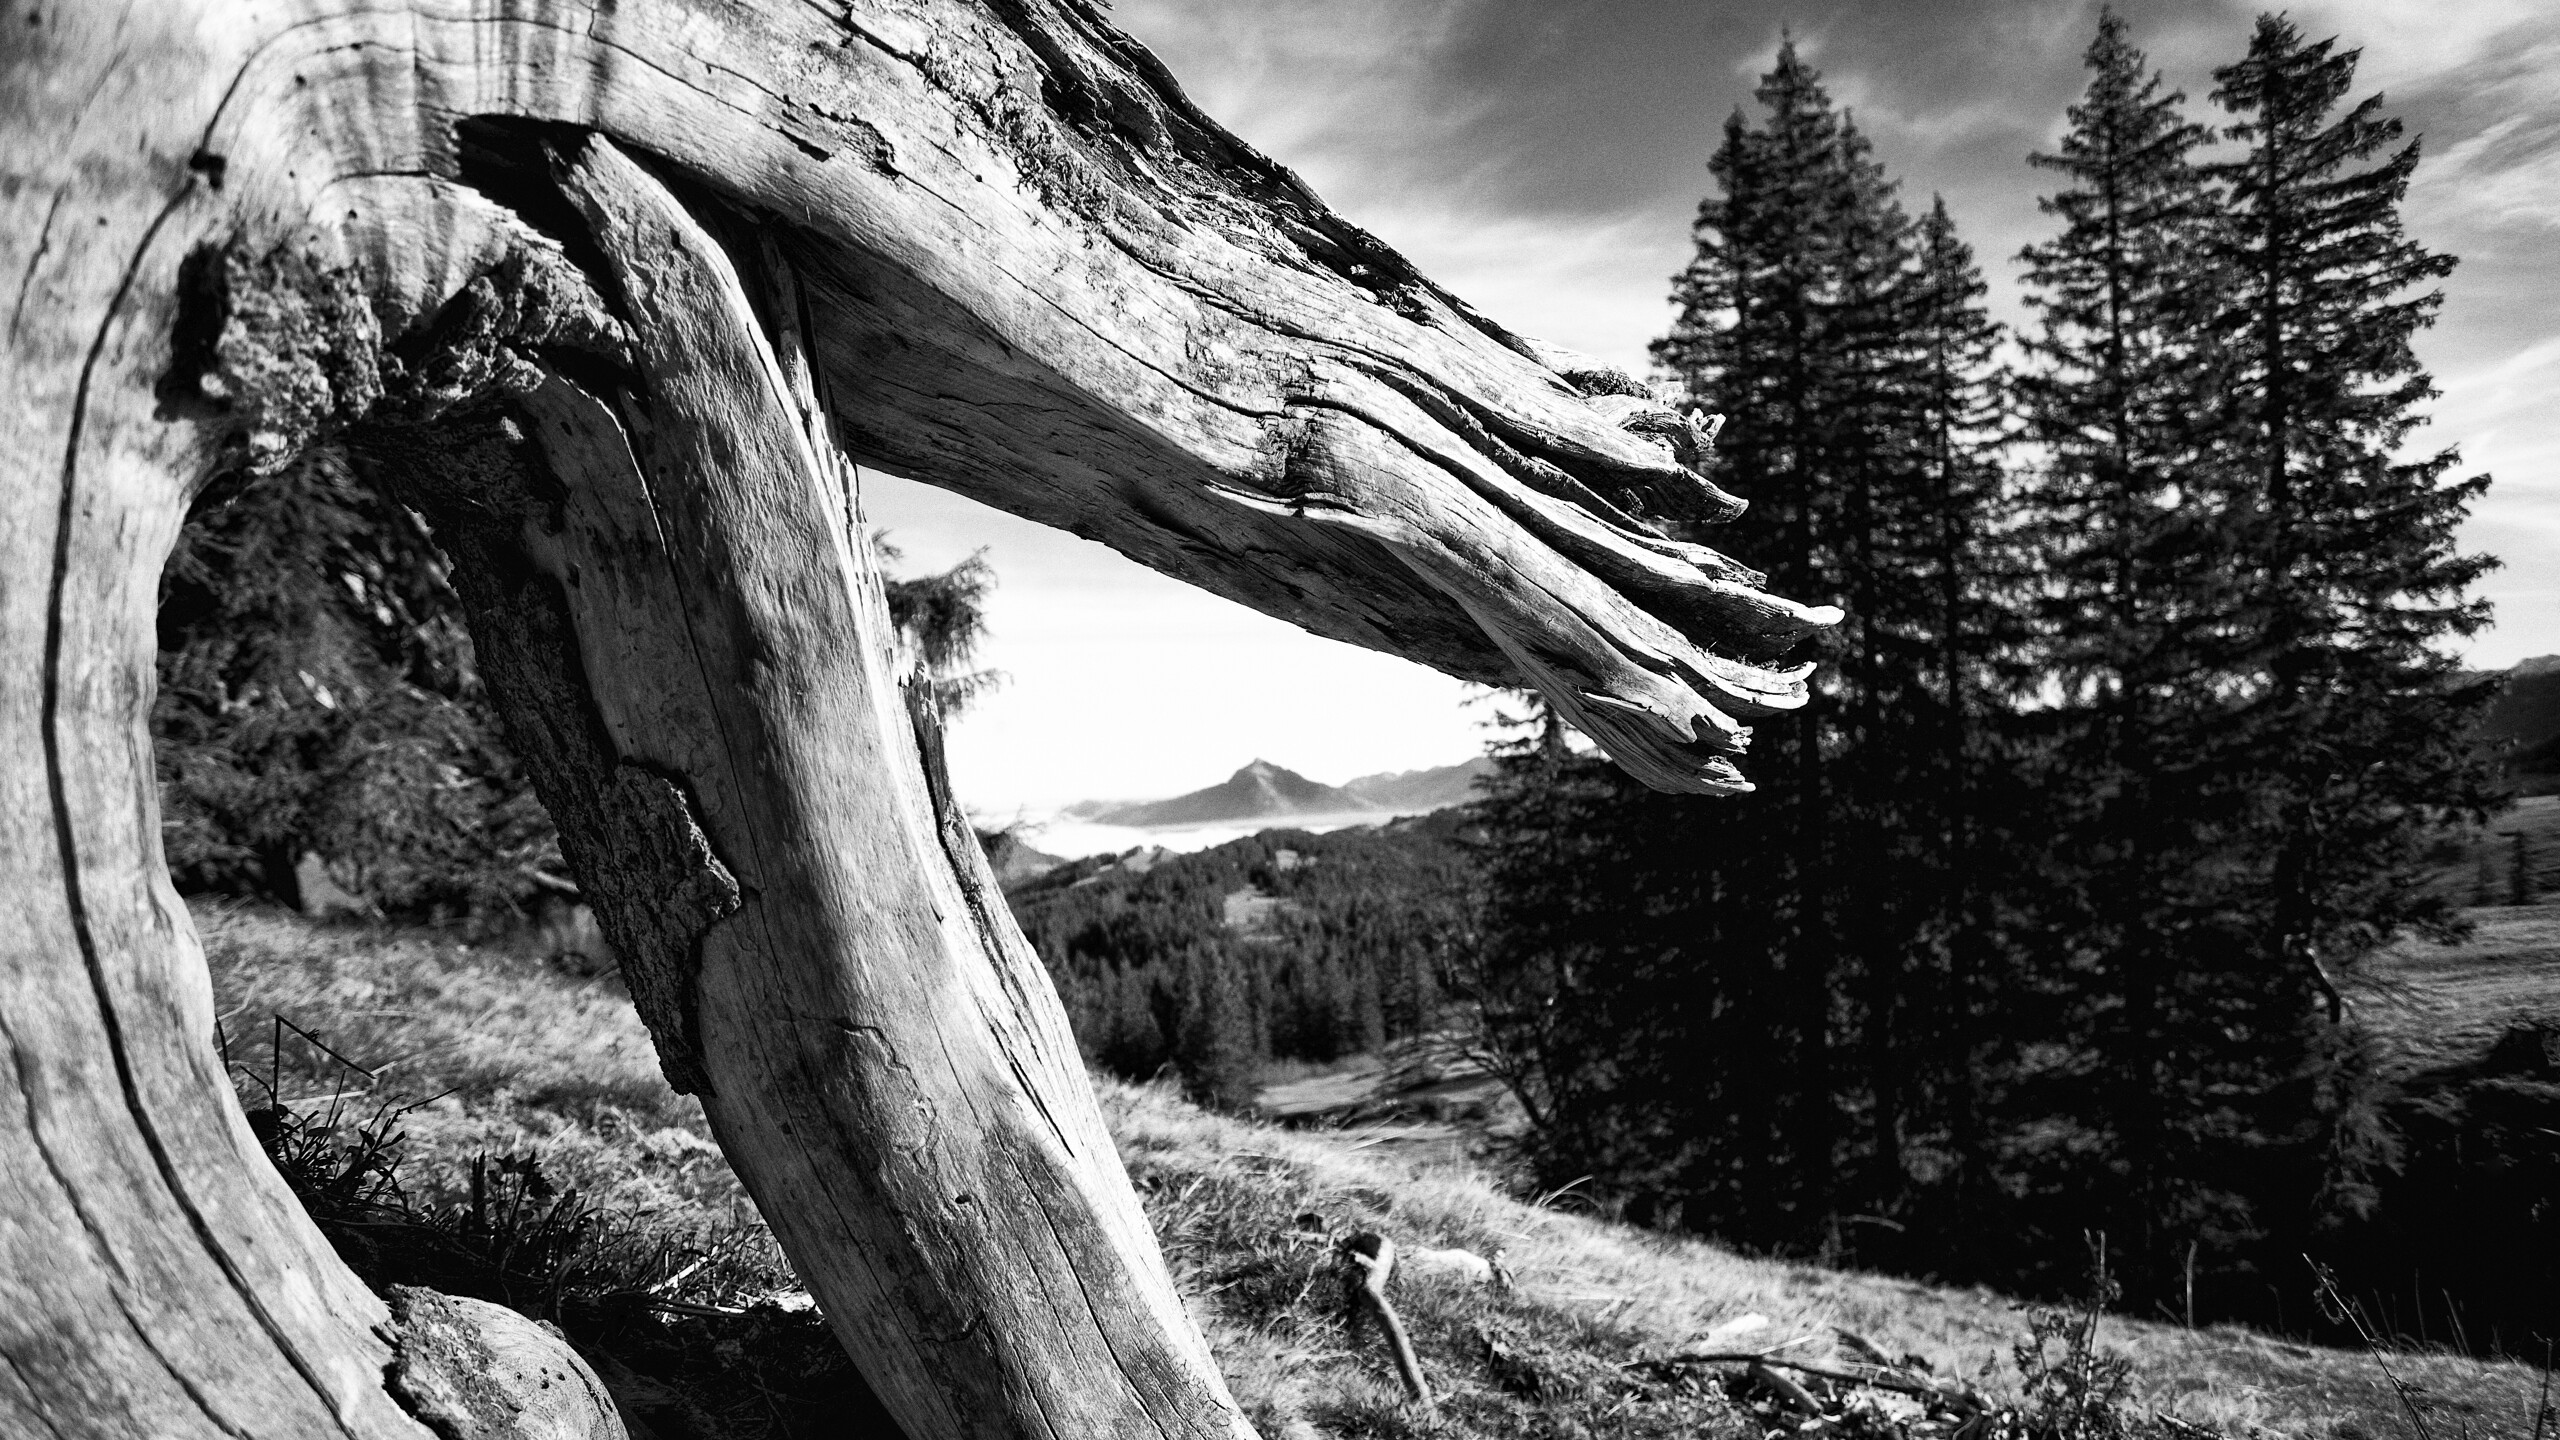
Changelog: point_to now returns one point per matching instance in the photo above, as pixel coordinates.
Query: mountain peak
(1263, 790)
(1258, 790)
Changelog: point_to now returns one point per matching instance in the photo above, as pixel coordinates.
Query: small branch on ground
(1878, 1377)
(1788, 1390)
(1367, 1261)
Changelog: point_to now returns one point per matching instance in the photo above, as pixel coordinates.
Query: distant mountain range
(1264, 791)
(1419, 792)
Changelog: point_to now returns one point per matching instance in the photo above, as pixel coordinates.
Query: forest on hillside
(1284, 945)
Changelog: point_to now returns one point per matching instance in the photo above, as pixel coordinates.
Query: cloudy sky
(1543, 158)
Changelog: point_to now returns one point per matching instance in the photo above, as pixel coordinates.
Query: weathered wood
(675, 608)
(991, 245)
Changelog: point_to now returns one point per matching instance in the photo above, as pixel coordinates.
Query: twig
(323, 1046)
(680, 1307)
(1786, 1389)
(2347, 1311)
(1882, 1380)
(1368, 1260)
(2542, 1411)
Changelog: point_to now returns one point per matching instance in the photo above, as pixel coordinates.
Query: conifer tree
(2138, 565)
(1790, 324)
(2355, 574)
(1949, 761)
(2354, 724)
(2121, 294)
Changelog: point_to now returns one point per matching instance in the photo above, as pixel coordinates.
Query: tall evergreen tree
(1789, 324)
(1945, 771)
(2355, 574)
(2138, 586)
(2027, 934)
(2121, 295)
(2356, 719)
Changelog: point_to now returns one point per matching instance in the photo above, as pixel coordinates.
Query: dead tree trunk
(608, 293)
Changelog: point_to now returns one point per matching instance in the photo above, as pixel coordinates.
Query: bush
(317, 696)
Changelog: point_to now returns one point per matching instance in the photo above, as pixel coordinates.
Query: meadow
(604, 1192)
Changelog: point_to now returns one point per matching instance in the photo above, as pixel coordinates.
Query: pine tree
(2355, 574)
(1588, 989)
(1213, 1035)
(2121, 294)
(2244, 590)
(941, 619)
(2355, 720)
(2137, 587)
(1947, 765)
(1786, 325)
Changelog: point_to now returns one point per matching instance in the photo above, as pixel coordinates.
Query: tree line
(2126, 753)
(1340, 951)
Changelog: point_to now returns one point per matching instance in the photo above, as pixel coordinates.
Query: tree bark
(989, 245)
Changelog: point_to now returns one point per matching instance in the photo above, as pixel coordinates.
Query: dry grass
(1614, 1291)
(507, 1054)
(531, 1060)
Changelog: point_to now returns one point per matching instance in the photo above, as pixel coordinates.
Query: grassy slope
(2458, 859)
(539, 1061)
(2437, 1004)
(2441, 1003)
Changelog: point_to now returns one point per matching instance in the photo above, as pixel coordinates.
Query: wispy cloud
(2408, 43)
(2506, 174)
(1598, 285)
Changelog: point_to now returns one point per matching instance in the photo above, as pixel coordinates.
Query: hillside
(2525, 718)
(2439, 1004)
(2478, 866)
(2442, 1004)
(525, 1060)
(1282, 944)
(2527, 710)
